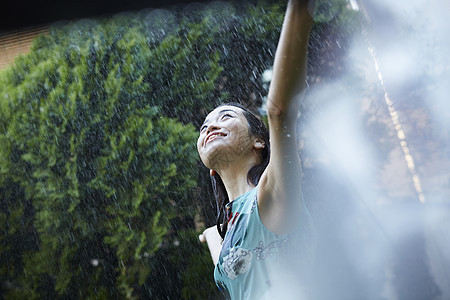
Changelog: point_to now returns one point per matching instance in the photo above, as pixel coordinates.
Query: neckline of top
(229, 205)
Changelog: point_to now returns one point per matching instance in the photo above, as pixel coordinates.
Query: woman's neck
(235, 181)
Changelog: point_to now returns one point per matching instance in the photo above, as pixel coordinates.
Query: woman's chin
(216, 158)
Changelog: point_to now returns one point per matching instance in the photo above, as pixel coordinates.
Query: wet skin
(224, 138)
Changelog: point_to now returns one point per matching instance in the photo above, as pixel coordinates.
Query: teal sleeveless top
(255, 263)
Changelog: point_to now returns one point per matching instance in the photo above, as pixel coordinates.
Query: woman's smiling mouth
(213, 136)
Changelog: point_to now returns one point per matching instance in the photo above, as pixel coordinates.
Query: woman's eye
(226, 116)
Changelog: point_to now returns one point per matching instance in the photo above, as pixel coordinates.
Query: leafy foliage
(91, 167)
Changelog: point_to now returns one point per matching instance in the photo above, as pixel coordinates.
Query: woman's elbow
(275, 111)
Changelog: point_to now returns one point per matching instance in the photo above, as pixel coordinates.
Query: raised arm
(279, 192)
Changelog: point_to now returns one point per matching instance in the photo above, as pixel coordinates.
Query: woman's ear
(259, 144)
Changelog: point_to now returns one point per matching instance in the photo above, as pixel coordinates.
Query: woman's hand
(214, 240)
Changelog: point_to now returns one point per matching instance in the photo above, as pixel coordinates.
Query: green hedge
(92, 169)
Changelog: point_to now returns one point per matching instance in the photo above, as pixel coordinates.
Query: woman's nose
(212, 127)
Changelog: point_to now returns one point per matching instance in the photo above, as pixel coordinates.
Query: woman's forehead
(221, 109)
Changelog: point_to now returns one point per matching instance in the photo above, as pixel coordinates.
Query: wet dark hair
(256, 127)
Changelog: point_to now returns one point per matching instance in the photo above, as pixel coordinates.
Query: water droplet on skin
(288, 135)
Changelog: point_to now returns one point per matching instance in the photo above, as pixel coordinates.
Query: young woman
(257, 185)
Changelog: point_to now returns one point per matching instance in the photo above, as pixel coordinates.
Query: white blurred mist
(375, 238)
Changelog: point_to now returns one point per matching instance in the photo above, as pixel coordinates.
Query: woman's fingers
(207, 232)
(202, 238)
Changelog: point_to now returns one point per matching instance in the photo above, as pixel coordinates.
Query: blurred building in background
(16, 42)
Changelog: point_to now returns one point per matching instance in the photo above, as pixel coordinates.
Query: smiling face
(224, 138)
